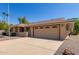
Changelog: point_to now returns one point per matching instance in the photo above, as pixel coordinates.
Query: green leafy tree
(22, 20)
(76, 25)
(3, 25)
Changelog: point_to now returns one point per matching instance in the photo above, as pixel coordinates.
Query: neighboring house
(52, 29)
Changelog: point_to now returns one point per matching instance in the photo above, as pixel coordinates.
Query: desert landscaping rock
(72, 43)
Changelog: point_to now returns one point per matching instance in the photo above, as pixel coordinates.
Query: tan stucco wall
(22, 34)
(64, 32)
(71, 26)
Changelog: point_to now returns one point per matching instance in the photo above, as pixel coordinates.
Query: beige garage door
(52, 33)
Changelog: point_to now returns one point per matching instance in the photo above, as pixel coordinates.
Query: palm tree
(7, 25)
(22, 20)
(5, 15)
(5, 20)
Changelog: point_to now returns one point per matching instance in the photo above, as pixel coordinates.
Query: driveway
(72, 43)
(29, 46)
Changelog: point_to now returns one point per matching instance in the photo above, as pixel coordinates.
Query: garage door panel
(47, 33)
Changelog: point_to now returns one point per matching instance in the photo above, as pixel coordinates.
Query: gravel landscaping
(72, 43)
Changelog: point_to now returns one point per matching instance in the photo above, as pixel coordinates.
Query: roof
(51, 21)
(57, 20)
(19, 25)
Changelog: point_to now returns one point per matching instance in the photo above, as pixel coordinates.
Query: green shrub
(74, 32)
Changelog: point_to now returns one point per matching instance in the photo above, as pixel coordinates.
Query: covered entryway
(51, 32)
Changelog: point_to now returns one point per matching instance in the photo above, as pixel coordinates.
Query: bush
(76, 25)
(4, 33)
(74, 32)
(9, 34)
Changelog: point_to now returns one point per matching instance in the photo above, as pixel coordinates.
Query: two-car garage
(51, 32)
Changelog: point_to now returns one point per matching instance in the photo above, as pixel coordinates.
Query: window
(54, 26)
(36, 27)
(47, 27)
(41, 27)
(21, 29)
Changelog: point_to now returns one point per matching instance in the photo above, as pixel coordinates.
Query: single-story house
(53, 29)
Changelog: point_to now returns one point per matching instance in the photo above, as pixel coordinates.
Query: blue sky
(3, 8)
(38, 12)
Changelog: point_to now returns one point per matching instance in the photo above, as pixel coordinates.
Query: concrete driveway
(29, 46)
